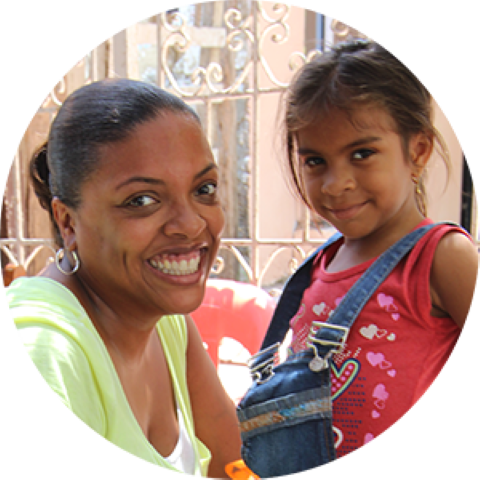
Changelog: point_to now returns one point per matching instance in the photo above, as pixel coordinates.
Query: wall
(444, 194)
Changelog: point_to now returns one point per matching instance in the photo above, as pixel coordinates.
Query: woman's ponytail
(40, 179)
(39, 176)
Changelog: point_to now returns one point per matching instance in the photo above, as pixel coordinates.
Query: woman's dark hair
(96, 114)
(350, 75)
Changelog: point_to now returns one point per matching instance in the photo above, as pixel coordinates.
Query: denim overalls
(286, 415)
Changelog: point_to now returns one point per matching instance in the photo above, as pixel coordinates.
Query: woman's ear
(65, 220)
(420, 149)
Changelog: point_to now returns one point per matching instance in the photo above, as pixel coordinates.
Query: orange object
(11, 272)
(236, 310)
(239, 471)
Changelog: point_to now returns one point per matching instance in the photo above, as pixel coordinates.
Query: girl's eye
(314, 161)
(141, 201)
(362, 154)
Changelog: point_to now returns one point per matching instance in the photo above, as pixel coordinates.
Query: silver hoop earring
(59, 257)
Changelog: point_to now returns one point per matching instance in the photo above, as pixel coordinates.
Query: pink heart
(380, 392)
(375, 358)
(392, 373)
(368, 438)
(395, 316)
(375, 414)
(384, 300)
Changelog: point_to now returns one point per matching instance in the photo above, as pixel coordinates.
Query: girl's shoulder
(427, 246)
(453, 272)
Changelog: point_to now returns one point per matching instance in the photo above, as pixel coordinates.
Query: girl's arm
(453, 276)
(214, 414)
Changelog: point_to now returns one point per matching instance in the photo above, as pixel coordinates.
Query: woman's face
(149, 224)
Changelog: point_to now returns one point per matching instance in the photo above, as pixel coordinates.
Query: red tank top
(395, 348)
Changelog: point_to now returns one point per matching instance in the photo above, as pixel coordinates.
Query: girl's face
(149, 224)
(355, 172)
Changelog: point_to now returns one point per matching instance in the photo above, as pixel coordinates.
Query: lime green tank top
(72, 358)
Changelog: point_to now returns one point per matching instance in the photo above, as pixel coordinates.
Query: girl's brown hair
(349, 75)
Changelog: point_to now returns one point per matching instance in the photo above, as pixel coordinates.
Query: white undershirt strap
(183, 455)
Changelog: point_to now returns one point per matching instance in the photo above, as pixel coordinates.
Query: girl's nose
(337, 181)
(184, 222)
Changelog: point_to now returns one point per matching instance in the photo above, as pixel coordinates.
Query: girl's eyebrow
(306, 151)
(356, 143)
(362, 141)
(159, 182)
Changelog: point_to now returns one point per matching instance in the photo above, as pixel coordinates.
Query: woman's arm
(214, 412)
(453, 276)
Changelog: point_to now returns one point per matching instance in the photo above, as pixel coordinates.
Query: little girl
(359, 135)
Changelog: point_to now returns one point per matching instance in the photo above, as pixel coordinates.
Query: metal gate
(231, 61)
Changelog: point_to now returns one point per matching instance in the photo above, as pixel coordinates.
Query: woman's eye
(208, 189)
(362, 154)
(141, 201)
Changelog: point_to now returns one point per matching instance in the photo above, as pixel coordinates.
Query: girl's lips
(346, 213)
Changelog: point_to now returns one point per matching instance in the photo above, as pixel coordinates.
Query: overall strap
(357, 296)
(289, 302)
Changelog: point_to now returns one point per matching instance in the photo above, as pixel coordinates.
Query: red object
(236, 310)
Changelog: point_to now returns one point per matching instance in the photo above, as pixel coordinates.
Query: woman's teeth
(177, 267)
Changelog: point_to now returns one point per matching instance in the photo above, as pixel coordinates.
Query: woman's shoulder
(36, 291)
(44, 308)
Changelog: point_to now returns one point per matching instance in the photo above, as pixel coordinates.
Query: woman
(130, 183)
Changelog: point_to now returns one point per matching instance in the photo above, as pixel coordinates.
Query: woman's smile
(180, 268)
(177, 264)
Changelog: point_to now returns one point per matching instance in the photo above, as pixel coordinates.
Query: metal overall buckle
(263, 372)
(319, 363)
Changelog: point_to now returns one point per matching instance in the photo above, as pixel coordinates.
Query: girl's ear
(65, 220)
(420, 150)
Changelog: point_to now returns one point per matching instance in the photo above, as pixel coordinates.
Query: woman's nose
(185, 222)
